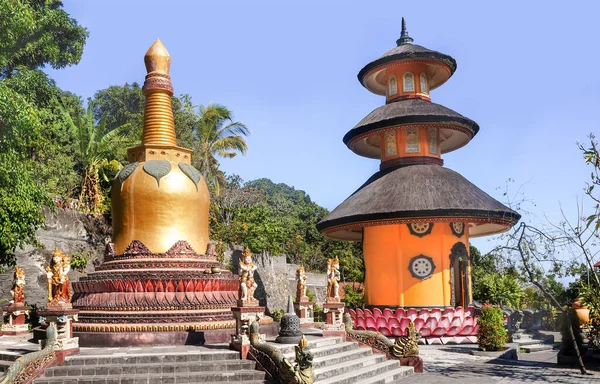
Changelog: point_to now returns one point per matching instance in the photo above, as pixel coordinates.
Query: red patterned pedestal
(334, 325)
(305, 311)
(63, 316)
(142, 298)
(17, 314)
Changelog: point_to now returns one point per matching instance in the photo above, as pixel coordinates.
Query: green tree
(36, 33)
(217, 135)
(95, 147)
(493, 282)
(21, 198)
(281, 220)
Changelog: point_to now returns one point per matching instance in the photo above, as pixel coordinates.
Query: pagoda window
(424, 87)
(390, 143)
(393, 86)
(409, 82)
(433, 141)
(412, 140)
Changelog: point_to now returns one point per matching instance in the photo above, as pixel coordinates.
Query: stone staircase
(191, 366)
(13, 347)
(533, 342)
(337, 361)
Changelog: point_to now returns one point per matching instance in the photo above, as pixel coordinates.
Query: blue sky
(526, 73)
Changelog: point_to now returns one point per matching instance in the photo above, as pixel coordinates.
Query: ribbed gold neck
(159, 125)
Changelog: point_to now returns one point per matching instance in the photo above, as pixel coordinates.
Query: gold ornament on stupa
(171, 198)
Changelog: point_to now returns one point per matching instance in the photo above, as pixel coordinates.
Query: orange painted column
(388, 252)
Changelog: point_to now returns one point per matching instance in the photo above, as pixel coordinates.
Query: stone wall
(72, 232)
(276, 279)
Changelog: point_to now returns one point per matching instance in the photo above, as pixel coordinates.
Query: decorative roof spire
(404, 38)
(159, 127)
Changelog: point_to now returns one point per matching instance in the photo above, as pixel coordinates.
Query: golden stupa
(160, 282)
(159, 198)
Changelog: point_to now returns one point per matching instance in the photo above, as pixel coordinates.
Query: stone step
(312, 343)
(241, 376)
(337, 358)
(392, 376)
(363, 374)
(10, 356)
(334, 370)
(4, 366)
(326, 350)
(150, 368)
(530, 341)
(537, 348)
(216, 355)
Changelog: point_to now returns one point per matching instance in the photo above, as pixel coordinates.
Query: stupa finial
(159, 124)
(157, 59)
(404, 38)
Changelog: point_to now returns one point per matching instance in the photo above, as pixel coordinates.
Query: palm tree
(217, 135)
(97, 152)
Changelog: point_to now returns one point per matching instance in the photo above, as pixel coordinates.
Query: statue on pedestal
(333, 278)
(301, 285)
(247, 283)
(17, 292)
(59, 289)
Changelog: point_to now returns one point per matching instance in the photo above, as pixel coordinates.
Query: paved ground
(454, 364)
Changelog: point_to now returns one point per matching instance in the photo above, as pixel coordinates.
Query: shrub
(354, 296)
(318, 314)
(310, 295)
(491, 335)
(277, 314)
(80, 260)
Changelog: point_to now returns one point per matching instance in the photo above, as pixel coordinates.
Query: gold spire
(157, 58)
(159, 126)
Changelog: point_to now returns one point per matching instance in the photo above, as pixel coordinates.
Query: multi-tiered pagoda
(414, 216)
(160, 281)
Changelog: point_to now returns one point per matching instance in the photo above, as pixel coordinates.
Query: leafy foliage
(38, 32)
(282, 220)
(216, 134)
(34, 33)
(95, 146)
(79, 260)
(491, 335)
(354, 295)
(21, 202)
(493, 282)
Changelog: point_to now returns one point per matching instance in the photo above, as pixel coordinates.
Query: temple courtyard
(442, 363)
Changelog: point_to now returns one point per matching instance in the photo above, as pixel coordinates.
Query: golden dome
(159, 198)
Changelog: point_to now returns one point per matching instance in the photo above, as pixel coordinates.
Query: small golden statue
(407, 346)
(59, 289)
(333, 278)
(17, 292)
(247, 283)
(301, 285)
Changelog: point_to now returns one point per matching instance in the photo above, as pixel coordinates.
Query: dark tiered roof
(410, 111)
(418, 192)
(406, 50)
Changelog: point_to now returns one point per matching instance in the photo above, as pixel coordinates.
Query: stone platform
(153, 338)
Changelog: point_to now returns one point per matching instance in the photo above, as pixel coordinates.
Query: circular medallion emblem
(458, 228)
(421, 267)
(420, 229)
